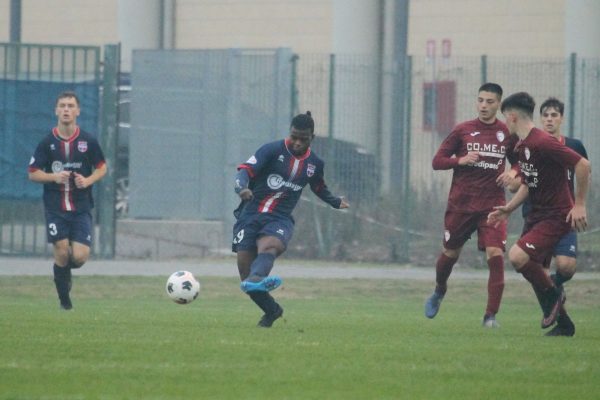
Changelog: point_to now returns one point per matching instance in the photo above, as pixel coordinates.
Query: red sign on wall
(446, 48)
(430, 49)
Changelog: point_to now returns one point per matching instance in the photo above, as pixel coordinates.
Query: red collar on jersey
(69, 140)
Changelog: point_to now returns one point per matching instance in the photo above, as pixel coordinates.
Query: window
(439, 106)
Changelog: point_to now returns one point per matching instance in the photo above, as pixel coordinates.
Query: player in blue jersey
(68, 161)
(565, 252)
(270, 184)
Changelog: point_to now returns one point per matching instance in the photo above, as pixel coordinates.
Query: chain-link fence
(31, 76)
(355, 101)
(196, 114)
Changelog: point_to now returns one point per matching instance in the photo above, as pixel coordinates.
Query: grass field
(340, 339)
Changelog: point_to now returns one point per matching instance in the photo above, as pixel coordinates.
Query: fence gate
(31, 76)
(199, 113)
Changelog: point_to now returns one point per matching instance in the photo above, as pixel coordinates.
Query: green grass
(340, 339)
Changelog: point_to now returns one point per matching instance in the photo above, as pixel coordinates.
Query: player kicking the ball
(270, 184)
(543, 163)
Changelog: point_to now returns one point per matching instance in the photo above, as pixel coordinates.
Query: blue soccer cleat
(265, 285)
(432, 306)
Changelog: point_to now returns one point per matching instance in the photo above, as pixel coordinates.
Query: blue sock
(559, 278)
(262, 265)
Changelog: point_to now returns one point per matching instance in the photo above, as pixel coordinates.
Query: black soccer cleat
(66, 305)
(267, 320)
(551, 303)
(562, 330)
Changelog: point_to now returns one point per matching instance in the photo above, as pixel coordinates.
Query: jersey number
(52, 229)
(239, 237)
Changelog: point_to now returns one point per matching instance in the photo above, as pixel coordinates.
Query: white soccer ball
(182, 287)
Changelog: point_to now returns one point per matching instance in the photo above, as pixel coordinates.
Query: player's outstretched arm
(509, 180)
(518, 198)
(578, 215)
(319, 188)
(344, 203)
(501, 213)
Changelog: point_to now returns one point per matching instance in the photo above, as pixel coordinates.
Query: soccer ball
(182, 287)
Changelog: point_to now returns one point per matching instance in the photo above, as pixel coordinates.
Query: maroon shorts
(459, 227)
(540, 238)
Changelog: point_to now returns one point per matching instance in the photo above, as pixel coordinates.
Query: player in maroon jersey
(68, 161)
(543, 161)
(565, 252)
(476, 150)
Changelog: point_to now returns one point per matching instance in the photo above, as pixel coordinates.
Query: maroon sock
(443, 269)
(495, 284)
(535, 274)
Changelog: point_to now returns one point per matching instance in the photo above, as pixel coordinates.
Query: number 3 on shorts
(52, 229)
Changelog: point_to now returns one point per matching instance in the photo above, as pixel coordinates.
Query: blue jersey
(80, 153)
(575, 145)
(277, 178)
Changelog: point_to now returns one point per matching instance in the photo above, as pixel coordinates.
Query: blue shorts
(248, 229)
(567, 246)
(75, 226)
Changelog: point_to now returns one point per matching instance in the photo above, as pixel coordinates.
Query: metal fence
(196, 114)
(405, 223)
(31, 76)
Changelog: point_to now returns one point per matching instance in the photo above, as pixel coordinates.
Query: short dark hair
(520, 101)
(68, 94)
(553, 102)
(492, 88)
(303, 122)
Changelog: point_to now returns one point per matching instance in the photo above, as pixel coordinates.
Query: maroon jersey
(543, 161)
(474, 187)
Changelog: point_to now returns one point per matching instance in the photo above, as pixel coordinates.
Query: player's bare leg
(244, 260)
(565, 269)
(80, 253)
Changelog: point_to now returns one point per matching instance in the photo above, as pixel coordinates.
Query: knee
(566, 266)
(61, 255)
(79, 258)
(275, 251)
(493, 252)
(452, 253)
(272, 246)
(517, 257)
